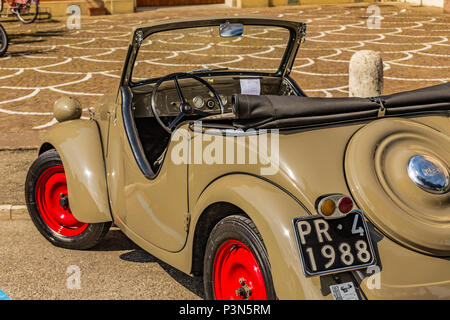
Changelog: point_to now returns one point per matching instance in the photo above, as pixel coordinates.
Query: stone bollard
(13, 212)
(365, 76)
(247, 3)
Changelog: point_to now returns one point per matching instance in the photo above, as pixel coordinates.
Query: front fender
(272, 210)
(80, 148)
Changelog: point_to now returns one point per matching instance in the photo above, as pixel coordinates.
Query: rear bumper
(403, 274)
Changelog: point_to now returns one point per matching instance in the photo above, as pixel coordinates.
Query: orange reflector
(327, 208)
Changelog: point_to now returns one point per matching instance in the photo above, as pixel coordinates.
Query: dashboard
(198, 95)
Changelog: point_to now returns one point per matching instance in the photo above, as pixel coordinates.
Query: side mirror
(229, 30)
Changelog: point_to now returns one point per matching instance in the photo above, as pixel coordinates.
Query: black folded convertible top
(269, 111)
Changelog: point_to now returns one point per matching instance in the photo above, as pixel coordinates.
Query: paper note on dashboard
(250, 86)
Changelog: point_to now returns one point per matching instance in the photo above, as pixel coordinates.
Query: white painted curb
(13, 212)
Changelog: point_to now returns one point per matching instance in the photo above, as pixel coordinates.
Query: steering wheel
(185, 107)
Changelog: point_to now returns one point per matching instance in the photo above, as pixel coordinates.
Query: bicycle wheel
(27, 12)
(4, 41)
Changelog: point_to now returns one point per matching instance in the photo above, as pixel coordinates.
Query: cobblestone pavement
(47, 60)
(31, 268)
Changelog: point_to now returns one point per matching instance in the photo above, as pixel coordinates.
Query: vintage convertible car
(231, 172)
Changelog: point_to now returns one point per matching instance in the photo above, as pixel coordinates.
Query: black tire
(4, 41)
(242, 229)
(88, 238)
(31, 13)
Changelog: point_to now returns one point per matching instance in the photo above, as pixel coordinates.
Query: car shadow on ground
(25, 53)
(40, 34)
(32, 38)
(115, 240)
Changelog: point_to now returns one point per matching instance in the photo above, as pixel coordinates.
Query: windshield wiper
(207, 70)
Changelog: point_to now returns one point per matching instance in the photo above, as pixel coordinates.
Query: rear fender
(80, 148)
(272, 210)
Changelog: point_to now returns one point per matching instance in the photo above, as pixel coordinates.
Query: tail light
(345, 205)
(334, 206)
(328, 207)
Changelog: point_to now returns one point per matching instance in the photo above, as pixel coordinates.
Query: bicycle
(3, 41)
(26, 10)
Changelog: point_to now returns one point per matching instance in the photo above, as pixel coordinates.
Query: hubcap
(429, 174)
(236, 273)
(53, 203)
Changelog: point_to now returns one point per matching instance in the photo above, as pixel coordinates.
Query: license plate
(328, 246)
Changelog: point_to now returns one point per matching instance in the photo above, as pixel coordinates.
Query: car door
(155, 207)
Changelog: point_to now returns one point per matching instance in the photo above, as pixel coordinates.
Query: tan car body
(168, 216)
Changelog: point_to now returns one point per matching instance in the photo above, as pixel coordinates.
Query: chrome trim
(198, 102)
(139, 37)
(429, 174)
(335, 198)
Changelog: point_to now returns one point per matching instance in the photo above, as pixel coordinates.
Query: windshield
(259, 49)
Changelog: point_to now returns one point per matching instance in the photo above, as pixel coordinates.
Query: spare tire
(376, 162)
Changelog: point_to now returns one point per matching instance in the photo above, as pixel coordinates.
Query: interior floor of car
(155, 139)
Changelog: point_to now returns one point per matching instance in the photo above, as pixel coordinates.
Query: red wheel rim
(51, 199)
(236, 273)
